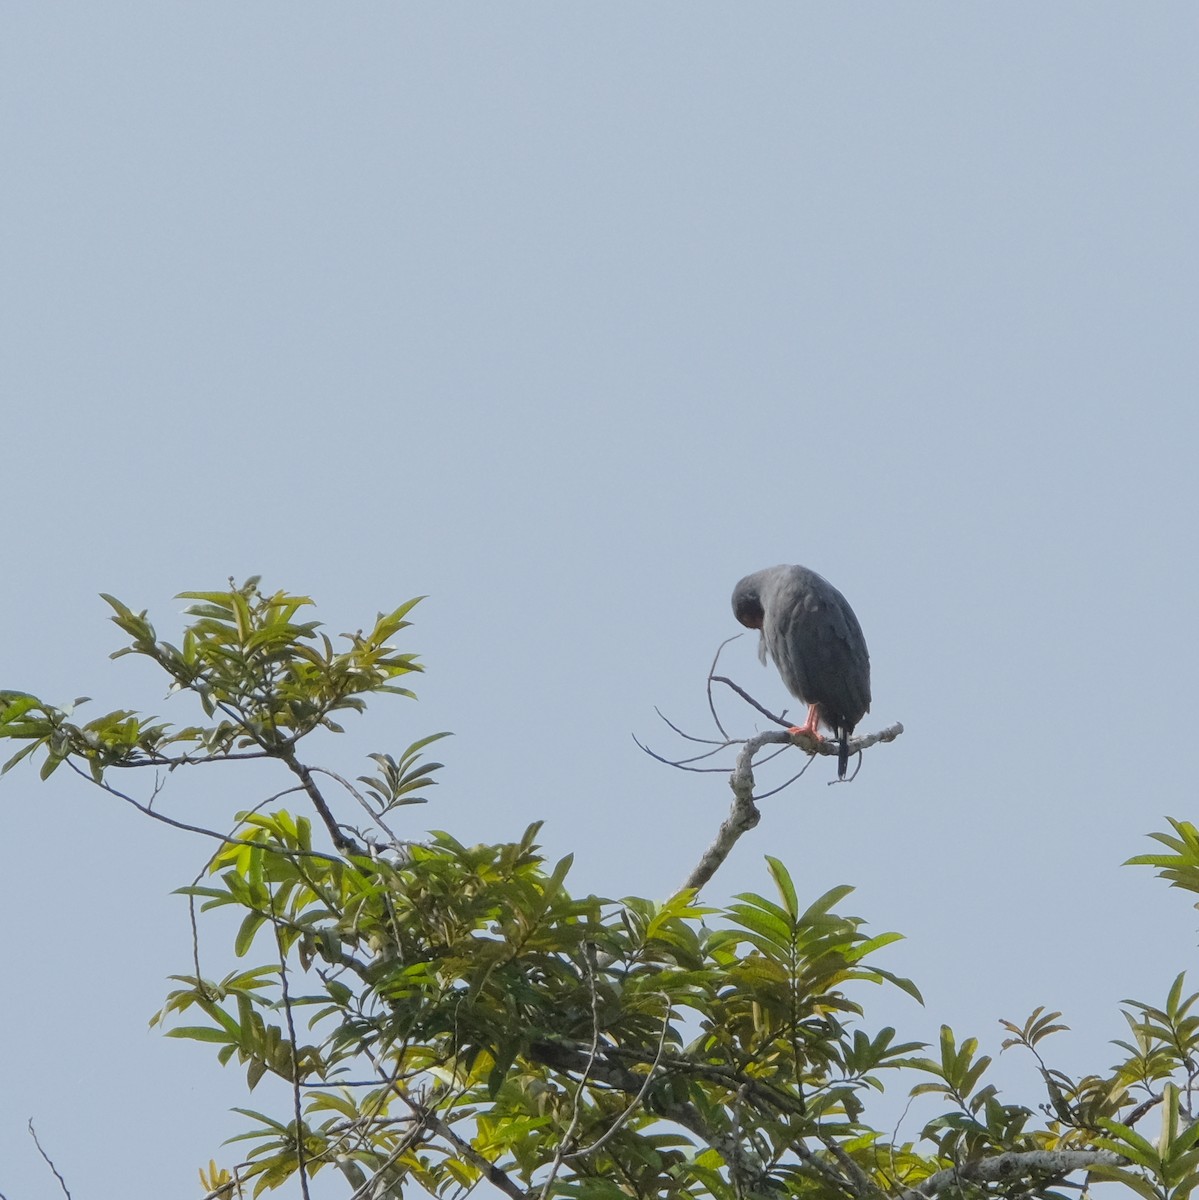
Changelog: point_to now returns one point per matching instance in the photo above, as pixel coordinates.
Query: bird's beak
(762, 649)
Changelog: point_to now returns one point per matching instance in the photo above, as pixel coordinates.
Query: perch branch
(744, 814)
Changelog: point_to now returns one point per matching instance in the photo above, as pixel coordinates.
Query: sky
(567, 317)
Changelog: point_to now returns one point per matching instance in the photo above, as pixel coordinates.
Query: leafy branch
(445, 1015)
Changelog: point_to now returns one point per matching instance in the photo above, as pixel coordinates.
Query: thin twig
(903, 1116)
(171, 761)
(778, 720)
(493, 1174)
(221, 1191)
(297, 1102)
(682, 765)
(204, 870)
(689, 736)
(62, 1183)
(782, 786)
(683, 762)
(637, 1100)
(711, 669)
(105, 786)
(566, 1139)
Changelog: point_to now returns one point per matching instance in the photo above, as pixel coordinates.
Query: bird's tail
(842, 752)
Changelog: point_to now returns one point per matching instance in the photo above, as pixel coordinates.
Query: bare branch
(690, 736)
(778, 720)
(103, 785)
(682, 763)
(711, 669)
(783, 786)
(62, 1183)
(744, 814)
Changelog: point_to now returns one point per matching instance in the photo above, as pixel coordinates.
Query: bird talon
(802, 729)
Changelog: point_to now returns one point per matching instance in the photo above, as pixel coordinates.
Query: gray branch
(1014, 1165)
(744, 814)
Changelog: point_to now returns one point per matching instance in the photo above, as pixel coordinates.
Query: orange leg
(811, 725)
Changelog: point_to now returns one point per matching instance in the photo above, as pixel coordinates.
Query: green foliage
(263, 681)
(448, 1015)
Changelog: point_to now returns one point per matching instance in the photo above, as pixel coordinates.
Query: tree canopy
(447, 1016)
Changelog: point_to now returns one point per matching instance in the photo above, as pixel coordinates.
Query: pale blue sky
(569, 316)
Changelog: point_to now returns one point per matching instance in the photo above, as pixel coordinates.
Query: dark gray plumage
(812, 635)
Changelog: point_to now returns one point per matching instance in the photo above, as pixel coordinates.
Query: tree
(447, 1015)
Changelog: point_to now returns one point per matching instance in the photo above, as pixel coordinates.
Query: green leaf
(1129, 1143)
(786, 887)
(24, 752)
(199, 1033)
(245, 935)
(826, 902)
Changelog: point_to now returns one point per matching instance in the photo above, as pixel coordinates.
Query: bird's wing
(818, 644)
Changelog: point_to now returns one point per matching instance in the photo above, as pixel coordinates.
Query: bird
(814, 638)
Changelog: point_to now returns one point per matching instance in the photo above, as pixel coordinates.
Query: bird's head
(747, 607)
(747, 602)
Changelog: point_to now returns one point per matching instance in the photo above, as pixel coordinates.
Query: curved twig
(711, 669)
(781, 786)
(637, 1100)
(681, 763)
(690, 737)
